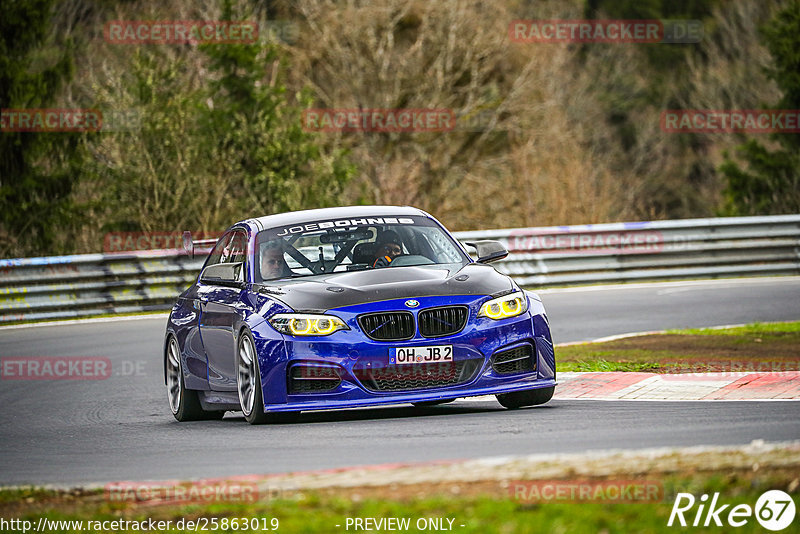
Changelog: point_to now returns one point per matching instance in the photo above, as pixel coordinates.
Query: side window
(231, 248)
(219, 250)
(237, 248)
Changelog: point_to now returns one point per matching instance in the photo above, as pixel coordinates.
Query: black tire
(425, 404)
(248, 385)
(184, 403)
(528, 397)
(248, 380)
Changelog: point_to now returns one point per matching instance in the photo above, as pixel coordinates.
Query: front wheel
(184, 403)
(248, 381)
(248, 384)
(528, 397)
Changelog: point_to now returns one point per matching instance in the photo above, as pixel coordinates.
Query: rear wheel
(184, 403)
(529, 397)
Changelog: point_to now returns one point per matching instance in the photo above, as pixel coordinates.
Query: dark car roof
(324, 214)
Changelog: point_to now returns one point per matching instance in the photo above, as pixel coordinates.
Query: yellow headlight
(306, 324)
(300, 327)
(504, 307)
(512, 307)
(325, 326)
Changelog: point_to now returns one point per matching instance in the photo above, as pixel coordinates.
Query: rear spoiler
(204, 245)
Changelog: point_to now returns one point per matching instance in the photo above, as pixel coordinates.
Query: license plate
(429, 354)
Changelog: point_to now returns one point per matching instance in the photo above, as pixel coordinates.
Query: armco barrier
(629, 252)
(90, 284)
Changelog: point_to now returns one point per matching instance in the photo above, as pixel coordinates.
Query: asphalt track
(77, 432)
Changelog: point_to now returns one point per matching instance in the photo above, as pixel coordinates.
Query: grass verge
(757, 347)
(500, 511)
(580, 493)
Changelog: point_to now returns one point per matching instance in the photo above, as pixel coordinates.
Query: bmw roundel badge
(412, 303)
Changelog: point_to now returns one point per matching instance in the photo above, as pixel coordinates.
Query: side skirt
(219, 400)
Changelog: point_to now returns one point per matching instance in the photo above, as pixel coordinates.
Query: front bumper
(408, 397)
(352, 354)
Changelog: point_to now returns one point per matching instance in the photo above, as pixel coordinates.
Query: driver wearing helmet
(389, 247)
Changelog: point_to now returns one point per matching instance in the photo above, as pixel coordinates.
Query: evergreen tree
(212, 150)
(36, 175)
(254, 130)
(769, 181)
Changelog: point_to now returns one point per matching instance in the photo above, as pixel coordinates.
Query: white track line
(672, 284)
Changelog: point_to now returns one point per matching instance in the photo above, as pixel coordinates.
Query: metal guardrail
(92, 284)
(659, 250)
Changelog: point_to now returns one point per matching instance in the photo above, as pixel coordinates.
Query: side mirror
(224, 274)
(489, 250)
(190, 244)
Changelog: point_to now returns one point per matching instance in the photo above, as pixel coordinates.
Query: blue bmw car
(351, 307)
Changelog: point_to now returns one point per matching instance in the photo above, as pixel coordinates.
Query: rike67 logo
(774, 510)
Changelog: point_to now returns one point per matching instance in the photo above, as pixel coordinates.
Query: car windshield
(319, 247)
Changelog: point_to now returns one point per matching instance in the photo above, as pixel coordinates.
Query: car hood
(337, 290)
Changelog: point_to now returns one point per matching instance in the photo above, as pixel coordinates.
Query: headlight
(504, 307)
(304, 324)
